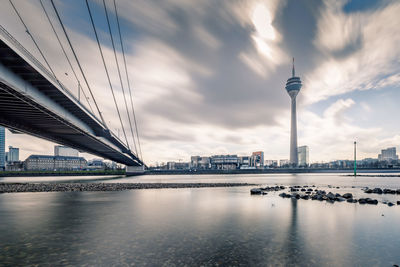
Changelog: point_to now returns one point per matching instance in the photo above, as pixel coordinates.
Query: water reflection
(218, 226)
(293, 245)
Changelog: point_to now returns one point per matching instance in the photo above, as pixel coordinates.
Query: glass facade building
(13, 154)
(2, 148)
(388, 154)
(303, 156)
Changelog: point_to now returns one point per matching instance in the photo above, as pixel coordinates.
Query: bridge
(35, 102)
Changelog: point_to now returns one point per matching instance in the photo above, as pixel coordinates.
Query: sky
(208, 76)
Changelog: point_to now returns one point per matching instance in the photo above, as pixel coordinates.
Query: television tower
(293, 86)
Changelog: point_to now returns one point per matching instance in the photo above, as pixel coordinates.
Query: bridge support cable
(66, 56)
(34, 41)
(108, 75)
(79, 64)
(120, 78)
(127, 78)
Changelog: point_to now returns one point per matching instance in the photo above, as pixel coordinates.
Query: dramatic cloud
(208, 76)
(266, 39)
(360, 51)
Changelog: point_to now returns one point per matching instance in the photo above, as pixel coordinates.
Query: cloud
(330, 136)
(266, 54)
(336, 110)
(359, 51)
(208, 77)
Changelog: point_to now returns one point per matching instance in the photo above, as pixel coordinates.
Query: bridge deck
(44, 108)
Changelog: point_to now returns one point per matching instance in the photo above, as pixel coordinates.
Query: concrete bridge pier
(135, 170)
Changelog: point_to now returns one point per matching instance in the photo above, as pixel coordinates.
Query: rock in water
(255, 191)
(368, 191)
(362, 201)
(348, 195)
(377, 191)
(284, 195)
(331, 196)
(372, 201)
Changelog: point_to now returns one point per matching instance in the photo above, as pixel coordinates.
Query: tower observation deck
(293, 86)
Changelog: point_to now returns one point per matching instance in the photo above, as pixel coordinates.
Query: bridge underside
(32, 104)
(20, 113)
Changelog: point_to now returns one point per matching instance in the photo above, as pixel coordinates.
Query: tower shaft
(293, 86)
(293, 134)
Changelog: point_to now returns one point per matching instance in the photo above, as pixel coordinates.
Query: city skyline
(220, 90)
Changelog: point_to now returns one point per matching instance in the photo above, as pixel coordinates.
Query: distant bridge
(33, 101)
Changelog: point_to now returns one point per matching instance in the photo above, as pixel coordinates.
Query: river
(200, 226)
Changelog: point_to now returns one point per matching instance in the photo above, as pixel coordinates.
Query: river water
(200, 226)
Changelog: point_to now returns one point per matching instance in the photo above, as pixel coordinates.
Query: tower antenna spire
(293, 71)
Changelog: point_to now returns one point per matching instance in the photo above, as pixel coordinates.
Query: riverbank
(267, 171)
(60, 173)
(194, 172)
(76, 187)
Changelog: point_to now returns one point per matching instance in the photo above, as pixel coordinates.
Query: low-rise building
(244, 162)
(200, 163)
(15, 166)
(54, 163)
(341, 164)
(96, 164)
(171, 165)
(284, 163)
(271, 163)
(224, 162)
(257, 159)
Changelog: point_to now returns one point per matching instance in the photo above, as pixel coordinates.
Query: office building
(200, 163)
(224, 162)
(54, 163)
(388, 154)
(293, 86)
(302, 152)
(172, 165)
(257, 159)
(65, 151)
(244, 162)
(13, 154)
(2, 148)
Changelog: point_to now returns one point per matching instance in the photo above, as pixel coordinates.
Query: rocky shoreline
(76, 187)
(310, 192)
